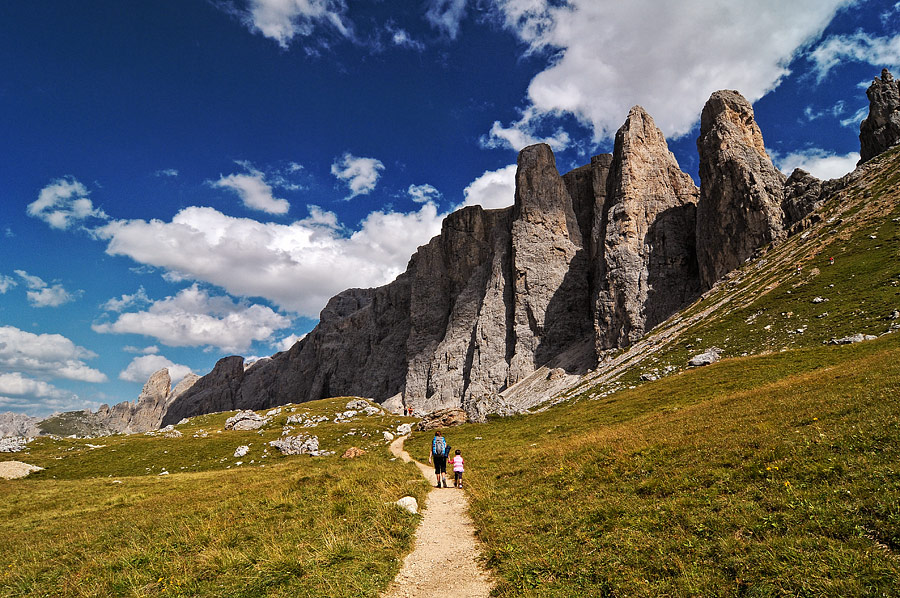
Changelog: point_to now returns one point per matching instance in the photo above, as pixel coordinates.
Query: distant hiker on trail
(457, 469)
(831, 261)
(409, 410)
(438, 456)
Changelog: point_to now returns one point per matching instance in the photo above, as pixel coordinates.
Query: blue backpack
(439, 447)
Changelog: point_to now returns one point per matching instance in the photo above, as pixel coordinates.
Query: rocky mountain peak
(649, 267)
(741, 191)
(728, 117)
(881, 128)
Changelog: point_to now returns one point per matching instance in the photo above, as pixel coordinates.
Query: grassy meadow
(103, 521)
(776, 475)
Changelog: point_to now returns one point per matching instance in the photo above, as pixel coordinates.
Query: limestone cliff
(881, 128)
(147, 412)
(741, 191)
(499, 293)
(648, 255)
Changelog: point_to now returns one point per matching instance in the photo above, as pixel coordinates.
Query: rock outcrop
(881, 128)
(147, 412)
(741, 191)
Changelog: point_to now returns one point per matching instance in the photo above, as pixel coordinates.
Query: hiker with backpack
(439, 451)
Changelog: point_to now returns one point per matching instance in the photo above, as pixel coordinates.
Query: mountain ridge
(604, 252)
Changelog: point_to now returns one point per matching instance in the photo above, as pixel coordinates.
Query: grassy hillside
(771, 475)
(100, 520)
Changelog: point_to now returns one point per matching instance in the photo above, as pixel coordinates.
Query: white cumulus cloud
(298, 266)
(818, 162)
(360, 174)
(42, 294)
(16, 384)
(194, 318)
(6, 283)
(446, 15)
(856, 47)
(606, 56)
(493, 189)
(283, 20)
(289, 341)
(423, 193)
(141, 368)
(45, 355)
(64, 202)
(254, 191)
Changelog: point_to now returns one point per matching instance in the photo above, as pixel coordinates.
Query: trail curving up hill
(444, 561)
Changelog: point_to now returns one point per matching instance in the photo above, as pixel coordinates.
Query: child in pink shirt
(458, 469)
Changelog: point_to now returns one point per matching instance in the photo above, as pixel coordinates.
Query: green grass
(764, 476)
(102, 522)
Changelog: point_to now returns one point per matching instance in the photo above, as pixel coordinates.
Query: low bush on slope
(103, 522)
(771, 475)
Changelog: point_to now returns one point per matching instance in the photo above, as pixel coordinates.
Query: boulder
(708, 357)
(241, 451)
(13, 444)
(408, 503)
(443, 418)
(245, 420)
(353, 452)
(297, 445)
(11, 470)
(853, 338)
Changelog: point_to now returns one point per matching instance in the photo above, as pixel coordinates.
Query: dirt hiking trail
(443, 563)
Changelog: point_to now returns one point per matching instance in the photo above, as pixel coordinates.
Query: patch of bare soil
(444, 562)
(11, 470)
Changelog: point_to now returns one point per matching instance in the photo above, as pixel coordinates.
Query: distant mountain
(531, 296)
(18, 424)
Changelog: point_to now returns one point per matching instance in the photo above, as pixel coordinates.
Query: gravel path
(444, 562)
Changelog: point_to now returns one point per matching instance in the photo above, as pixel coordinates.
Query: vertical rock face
(881, 129)
(460, 291)
(741, 191)
(550, 266)
(215, 391)
(648, 249)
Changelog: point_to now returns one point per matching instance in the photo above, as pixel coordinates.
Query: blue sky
(185, 179)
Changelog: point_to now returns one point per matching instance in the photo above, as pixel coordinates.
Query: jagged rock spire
(649, 257)
(741, 191)
(881, 129)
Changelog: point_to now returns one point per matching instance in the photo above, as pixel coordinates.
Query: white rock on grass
(298, 445)
(388, 436)
(849, 340)
(404, 429)
(13, 444)
(241, 451)
(409, 503)
(708, 357)
(245, 420)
